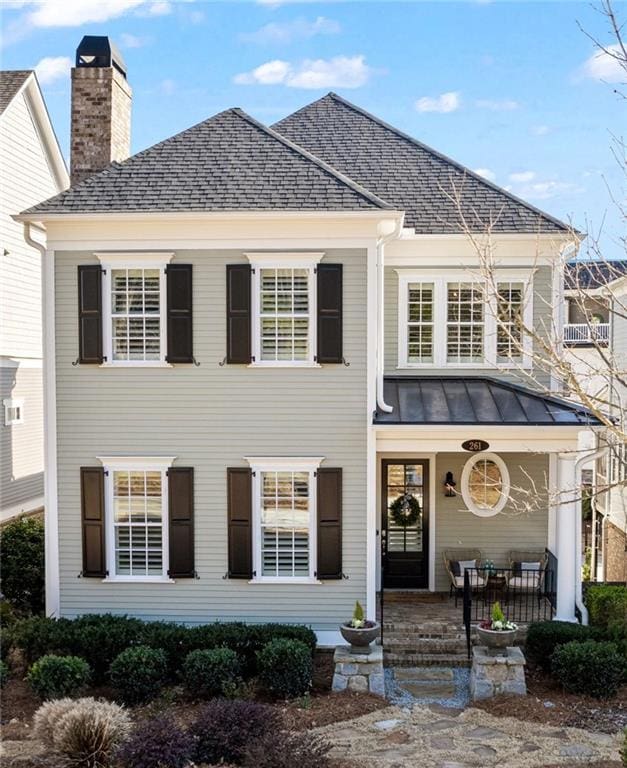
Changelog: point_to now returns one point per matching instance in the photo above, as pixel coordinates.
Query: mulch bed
(548, 704)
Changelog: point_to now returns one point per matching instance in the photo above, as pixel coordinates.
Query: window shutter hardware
(222, 362)
(106, 473)
(345, 363)
(76, 362)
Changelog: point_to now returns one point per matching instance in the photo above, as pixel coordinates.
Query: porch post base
(492, 675)
(359, 671)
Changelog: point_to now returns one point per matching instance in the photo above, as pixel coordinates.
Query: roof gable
(228, 162)
(11, 82)
(430, 187)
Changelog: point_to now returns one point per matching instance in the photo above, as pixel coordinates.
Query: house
(265, 345)
(596, 346)
(32, 169)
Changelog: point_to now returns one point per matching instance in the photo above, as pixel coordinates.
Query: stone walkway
(398, 737)
(408, 686)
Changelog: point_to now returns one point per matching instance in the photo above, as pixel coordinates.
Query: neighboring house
(258, 338)
(595, 339)
(32, 169)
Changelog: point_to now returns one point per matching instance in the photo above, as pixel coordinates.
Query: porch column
(566, 511)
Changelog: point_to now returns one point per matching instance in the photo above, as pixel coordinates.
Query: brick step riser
(428, 650)
(395, 660)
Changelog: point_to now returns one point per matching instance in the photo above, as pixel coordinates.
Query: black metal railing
(524, 595)
(550, 590)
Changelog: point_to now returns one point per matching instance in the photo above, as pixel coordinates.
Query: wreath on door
(405, 510)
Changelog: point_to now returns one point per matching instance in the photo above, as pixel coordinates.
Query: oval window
(485, 484)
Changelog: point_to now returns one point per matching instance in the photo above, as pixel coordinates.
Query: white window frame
(505, 484)
(283, 260)
(440, 284)
(139, 464)
(260, 464)
(134, 260)
(13, 402)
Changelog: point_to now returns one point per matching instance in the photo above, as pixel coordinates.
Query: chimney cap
(99, 51)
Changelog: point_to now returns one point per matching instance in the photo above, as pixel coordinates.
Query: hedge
(607, 607)
(543, 637)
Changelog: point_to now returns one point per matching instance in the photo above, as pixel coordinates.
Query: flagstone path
(437, 737)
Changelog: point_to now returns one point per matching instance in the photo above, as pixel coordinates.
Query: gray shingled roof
(470, 400)
(407, 173)
(11, 80)
(228, 162)
(593, 274)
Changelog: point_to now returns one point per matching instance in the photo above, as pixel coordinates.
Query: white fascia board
(43, 124)
(566, 237)
(200, 215)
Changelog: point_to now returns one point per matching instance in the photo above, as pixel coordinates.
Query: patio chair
(527, 571)
(456, 573)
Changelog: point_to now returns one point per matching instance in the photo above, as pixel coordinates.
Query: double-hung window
(134, 303)
(284, 513)
(284, 308)
(136, 513)
(455, 321)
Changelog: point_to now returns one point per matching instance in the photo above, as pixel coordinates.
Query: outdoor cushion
(525, 581)
(475, 580)
(530, 566)
(463, 564)
(455, 569)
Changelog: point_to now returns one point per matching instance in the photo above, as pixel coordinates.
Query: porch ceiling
(433, 400)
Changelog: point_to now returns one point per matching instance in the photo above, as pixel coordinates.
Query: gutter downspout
(381, 243)
(597, 453)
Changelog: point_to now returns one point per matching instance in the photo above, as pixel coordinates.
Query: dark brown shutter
(93, 521)
(90, 313)
(240, 522)
(238, 313)
(329, 514)
(329, 282)
(180, 322)
(181, 522)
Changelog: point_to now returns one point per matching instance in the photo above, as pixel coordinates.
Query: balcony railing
(584, 333)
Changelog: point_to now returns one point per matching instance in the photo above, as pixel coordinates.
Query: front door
(405, 547)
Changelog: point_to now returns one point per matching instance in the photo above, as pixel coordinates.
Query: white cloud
(74, 13)
(540, 130)
(604, 66)
(132, 41)
(299, 29)
(53, 68)
(544, 190)
(445, 102)
(159, 8)
(338, 72)
(486, 173)
(522, 177)
(505, 105)
(167, 87)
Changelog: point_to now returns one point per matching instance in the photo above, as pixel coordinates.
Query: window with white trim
(284, 510)
(452, 321)
(284, 308)
(136, 514)
(134, 308)
(485, 484)
(13, 411)
(465, 323)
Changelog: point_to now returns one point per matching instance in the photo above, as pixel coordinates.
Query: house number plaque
(475, 445)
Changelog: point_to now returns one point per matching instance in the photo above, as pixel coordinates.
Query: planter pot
(361, 638)
(496, 640)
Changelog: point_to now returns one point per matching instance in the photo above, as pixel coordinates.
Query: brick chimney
(101, 108)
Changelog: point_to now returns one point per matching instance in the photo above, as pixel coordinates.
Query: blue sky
(513, 89)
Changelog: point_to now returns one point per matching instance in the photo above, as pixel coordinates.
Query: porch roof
(475, 400)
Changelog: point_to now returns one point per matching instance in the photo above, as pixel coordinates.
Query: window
(13, 412)
(485, 484)
(510, 302)
(464, 323)
(284, 308)
(134, 303)
(285, 512)
(420, 323)
(449, 320)
(136, 511)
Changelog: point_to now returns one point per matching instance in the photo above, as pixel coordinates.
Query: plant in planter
(497, 632)
(359, 632)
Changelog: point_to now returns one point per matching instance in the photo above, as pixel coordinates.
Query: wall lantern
(449, 485)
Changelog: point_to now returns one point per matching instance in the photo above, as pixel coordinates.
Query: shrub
(285, 667)
(157, 743)
(139, 673)
(172, 639)
(544, 637)
(4, 673)
(23, 574)
(52, 677)
(285, 749)
(210, 673)
(38, 636)
(224, 730)
(607, 606)
(589, 667)
(46, 717)
(100, 638)
(90, 731)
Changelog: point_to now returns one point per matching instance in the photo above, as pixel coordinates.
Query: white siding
(210, 417)
(26, 180)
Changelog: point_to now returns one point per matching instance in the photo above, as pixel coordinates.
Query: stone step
(425, 660)
(426, 674)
